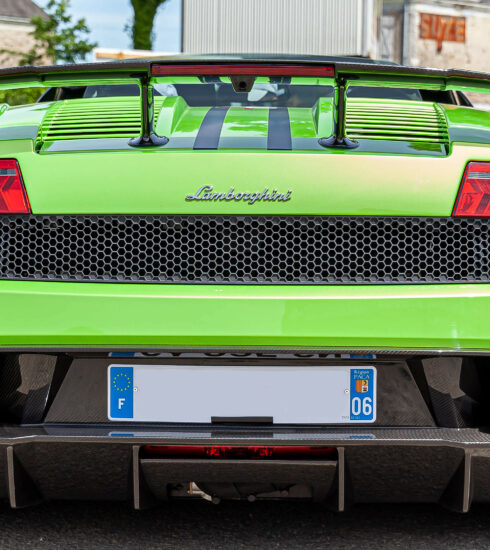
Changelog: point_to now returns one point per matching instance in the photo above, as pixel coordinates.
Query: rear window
(222, 94)
(219, 93)
(406, 94)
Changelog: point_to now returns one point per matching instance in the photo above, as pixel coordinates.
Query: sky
(107, 19)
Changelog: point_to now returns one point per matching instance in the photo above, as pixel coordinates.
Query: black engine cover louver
(230, 249)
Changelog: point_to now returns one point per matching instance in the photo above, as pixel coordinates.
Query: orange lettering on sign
(460, 33)
(425, 23)
(442, 28)
(442, 23)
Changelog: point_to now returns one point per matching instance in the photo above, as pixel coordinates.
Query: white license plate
(283, 394)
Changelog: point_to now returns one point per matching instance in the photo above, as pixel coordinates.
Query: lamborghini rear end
(259, 279)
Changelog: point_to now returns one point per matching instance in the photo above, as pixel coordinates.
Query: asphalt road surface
(201, 525)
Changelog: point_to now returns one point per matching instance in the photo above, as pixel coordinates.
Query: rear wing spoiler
(147, 72)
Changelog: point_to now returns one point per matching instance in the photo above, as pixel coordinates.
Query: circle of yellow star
(123, 379)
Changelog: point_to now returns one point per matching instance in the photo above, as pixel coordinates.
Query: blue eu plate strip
(362, 394)
(121, 393)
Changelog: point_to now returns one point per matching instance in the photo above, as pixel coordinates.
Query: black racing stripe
(279, 136)
(245, 142)
(210, 130)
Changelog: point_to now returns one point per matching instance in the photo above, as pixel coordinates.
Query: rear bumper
(447, 466)
(101, 315)
(429, 443)
(57, 444)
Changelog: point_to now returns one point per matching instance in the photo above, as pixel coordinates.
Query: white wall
(472, 54)
(14, 36)
(321, 27)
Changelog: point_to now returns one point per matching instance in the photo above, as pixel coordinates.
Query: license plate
(283, 394)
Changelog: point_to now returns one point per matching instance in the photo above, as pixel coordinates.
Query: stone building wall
(15, 37)
(473, 53)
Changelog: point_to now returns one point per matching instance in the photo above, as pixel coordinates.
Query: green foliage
(21, 96)
(58, 37)
(142, 25)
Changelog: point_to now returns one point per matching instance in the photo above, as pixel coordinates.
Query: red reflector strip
(226, 452)
(473, 199)
(13, 197)
(243, 70)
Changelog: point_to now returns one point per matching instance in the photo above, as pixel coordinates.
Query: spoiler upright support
(148, 137)
(338, 138)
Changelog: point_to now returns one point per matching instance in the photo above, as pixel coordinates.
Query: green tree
(21, 96)
(142, 26)
(58, 37)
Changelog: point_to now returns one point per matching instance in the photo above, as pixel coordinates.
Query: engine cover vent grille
(396, 120)
(245, 249)
(93, 118)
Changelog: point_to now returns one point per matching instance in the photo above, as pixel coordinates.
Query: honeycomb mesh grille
(245, 249)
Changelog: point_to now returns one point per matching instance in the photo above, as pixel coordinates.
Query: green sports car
(245, 278)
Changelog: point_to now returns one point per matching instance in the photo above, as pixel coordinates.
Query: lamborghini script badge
(205, 193)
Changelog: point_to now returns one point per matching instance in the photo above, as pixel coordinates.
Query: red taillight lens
(228, 452)
(244, 70)
(474, 194)
(13, 196)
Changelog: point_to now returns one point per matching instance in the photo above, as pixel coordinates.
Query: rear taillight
(13, 196)
(473, 199)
